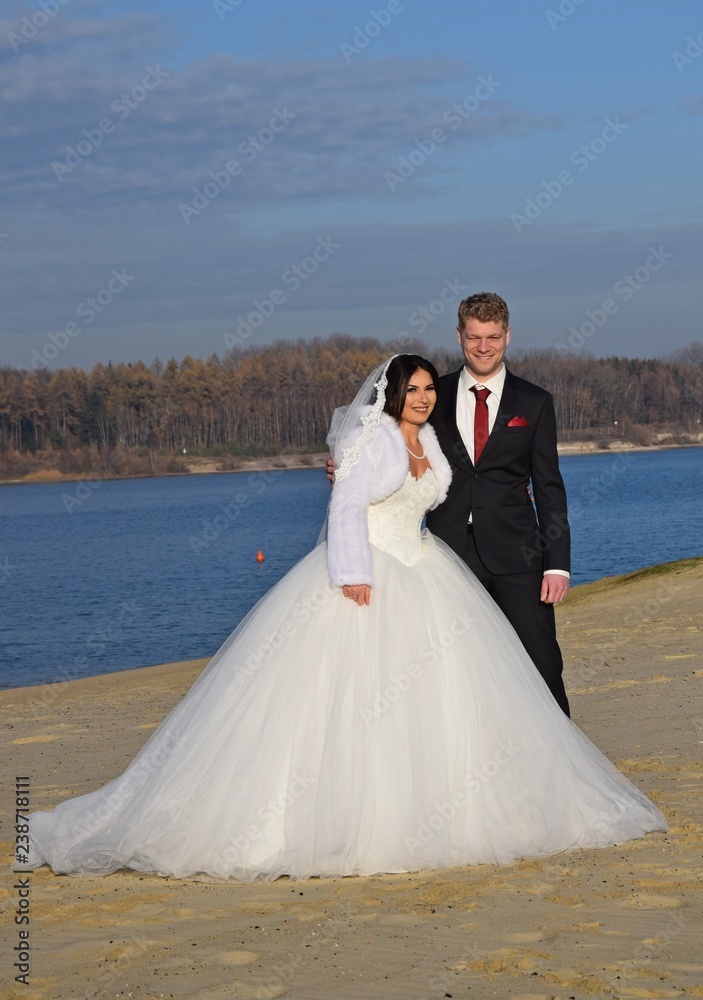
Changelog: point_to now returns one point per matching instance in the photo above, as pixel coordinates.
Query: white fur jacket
(380, 471)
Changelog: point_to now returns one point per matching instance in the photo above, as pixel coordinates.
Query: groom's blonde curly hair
(486, 307)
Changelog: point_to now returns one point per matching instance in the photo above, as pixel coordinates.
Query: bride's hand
(361, 593)
(329, 470)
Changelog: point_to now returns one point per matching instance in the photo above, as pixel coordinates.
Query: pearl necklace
(418, 457)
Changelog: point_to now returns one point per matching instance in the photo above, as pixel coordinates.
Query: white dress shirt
(466, 410)
(466, 404)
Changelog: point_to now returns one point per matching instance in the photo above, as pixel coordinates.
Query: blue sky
(185, 177)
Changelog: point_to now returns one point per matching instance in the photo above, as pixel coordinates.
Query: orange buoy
(260, 556)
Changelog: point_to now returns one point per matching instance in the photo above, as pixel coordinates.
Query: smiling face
(420, 399)
(484, 346)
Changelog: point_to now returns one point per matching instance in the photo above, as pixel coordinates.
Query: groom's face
(484, 346)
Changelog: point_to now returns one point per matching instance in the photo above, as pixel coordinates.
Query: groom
(498, 433)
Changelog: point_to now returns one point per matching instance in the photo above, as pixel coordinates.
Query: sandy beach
(623, 922)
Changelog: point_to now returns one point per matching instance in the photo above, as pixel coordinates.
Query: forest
(122, 419)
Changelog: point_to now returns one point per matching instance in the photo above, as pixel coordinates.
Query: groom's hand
(329, 469)
(555, 587)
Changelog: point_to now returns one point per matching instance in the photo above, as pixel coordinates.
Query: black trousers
(518, 598)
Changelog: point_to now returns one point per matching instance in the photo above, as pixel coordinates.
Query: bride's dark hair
(400, 372)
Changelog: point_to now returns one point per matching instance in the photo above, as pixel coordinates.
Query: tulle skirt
(330, 739)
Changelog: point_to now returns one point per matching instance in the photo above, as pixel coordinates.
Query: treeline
(264, 400)
(591, 394)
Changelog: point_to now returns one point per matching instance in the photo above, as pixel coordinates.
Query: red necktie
(480, 420)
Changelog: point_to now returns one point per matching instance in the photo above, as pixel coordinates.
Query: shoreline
(157, 672)
(285, 463)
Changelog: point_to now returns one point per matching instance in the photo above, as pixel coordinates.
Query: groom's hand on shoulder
(555, 587)
(329, 470)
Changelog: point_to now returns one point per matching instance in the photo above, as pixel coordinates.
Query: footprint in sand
(650, 901)
(237, 957)
(44, 738)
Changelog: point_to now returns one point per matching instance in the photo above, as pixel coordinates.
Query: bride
(375, 712)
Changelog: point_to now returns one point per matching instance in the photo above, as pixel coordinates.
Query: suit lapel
(509, 406)
(451, 440)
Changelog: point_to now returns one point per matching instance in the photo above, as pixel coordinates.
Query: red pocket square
(517, 422)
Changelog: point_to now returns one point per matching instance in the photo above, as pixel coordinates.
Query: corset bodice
(394, 523)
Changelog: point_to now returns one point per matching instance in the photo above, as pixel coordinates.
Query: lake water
(128, 573)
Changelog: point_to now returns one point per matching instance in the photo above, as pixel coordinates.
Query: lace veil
(354, 425)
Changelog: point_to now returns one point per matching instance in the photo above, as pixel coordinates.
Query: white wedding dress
(326, 738)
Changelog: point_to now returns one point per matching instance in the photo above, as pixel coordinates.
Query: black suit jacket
(509, 537)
